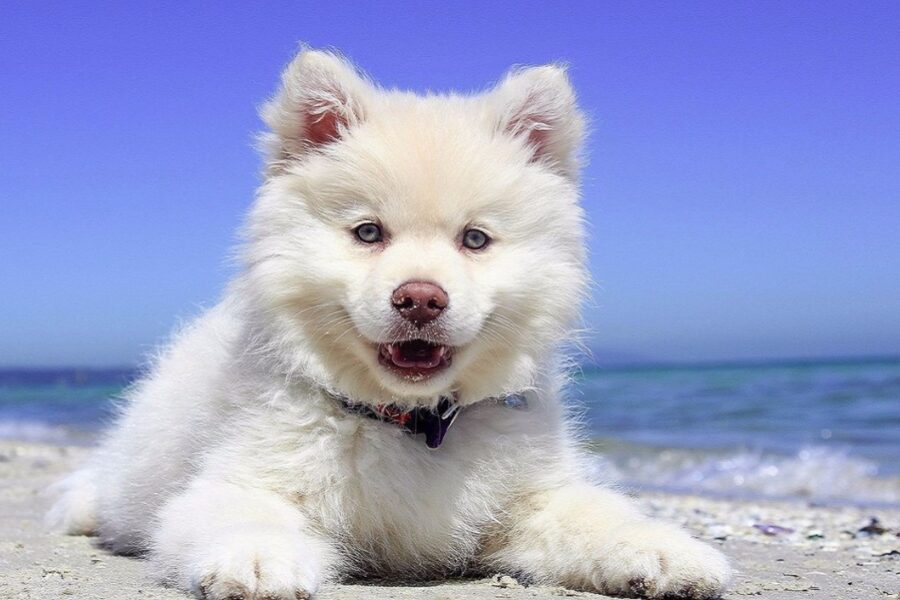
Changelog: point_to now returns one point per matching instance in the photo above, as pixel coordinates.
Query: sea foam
(816, 474)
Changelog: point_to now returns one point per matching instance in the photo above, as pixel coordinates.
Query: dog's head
(407, 246)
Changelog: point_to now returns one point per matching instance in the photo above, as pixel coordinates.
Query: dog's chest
(396, 502)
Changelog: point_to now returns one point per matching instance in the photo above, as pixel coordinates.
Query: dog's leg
(222, 541)
(595, 539)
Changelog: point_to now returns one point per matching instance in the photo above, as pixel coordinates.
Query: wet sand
(781, 550)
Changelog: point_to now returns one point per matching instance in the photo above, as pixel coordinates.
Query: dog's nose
(419, 302)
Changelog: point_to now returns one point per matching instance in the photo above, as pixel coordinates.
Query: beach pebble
(772, 529)
(504, 581)
(815, 534)
(873, 528)
(718, 531)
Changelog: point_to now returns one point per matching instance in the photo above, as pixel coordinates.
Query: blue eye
(475, 239)
(369, 233)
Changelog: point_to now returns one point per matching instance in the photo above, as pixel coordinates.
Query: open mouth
(414, 359)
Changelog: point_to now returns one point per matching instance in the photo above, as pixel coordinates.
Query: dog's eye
(370, 233)
(475, 239)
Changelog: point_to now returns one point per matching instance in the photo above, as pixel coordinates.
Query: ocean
(826, 432)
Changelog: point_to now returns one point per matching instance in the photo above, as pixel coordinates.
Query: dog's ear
(321, 96)
(537, 105)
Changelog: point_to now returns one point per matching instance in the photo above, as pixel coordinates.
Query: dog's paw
(256, 567)
(75, 509)
(656, 560)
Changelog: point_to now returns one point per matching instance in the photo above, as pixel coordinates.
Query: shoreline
(780, 549)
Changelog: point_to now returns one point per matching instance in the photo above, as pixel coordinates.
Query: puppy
(378, 393)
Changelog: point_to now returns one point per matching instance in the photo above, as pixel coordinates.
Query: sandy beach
(780, 549)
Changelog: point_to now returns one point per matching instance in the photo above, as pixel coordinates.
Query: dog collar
(432, 423)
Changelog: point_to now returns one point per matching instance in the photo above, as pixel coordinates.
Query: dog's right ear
(320, 98)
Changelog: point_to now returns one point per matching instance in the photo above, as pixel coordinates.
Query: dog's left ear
(537, 105)
(321, 97)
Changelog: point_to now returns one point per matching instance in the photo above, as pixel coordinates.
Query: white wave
(35, 431)
(814, 473)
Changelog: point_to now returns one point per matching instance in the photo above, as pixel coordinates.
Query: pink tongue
(412, 354)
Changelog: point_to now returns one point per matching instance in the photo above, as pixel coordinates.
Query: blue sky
(743, 190)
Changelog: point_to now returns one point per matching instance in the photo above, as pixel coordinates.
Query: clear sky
(743, 190)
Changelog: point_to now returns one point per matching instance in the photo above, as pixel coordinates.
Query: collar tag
(432, 423)
(435, 424)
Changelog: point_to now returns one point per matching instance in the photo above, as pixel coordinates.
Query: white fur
(239, 472)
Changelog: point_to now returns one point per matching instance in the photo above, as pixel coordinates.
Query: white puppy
(409, 261)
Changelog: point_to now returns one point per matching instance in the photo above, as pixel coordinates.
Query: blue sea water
(824, 431)
(66, 406)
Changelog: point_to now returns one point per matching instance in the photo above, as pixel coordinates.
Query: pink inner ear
(323, 128)
(536, 133)
(538, 138)
(531, 124)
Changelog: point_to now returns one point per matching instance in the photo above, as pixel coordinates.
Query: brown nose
(419, 302)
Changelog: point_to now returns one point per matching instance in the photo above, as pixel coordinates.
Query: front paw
(655, 560)
(255, 567)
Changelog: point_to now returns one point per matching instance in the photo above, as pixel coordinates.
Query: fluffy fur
(237, 471)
